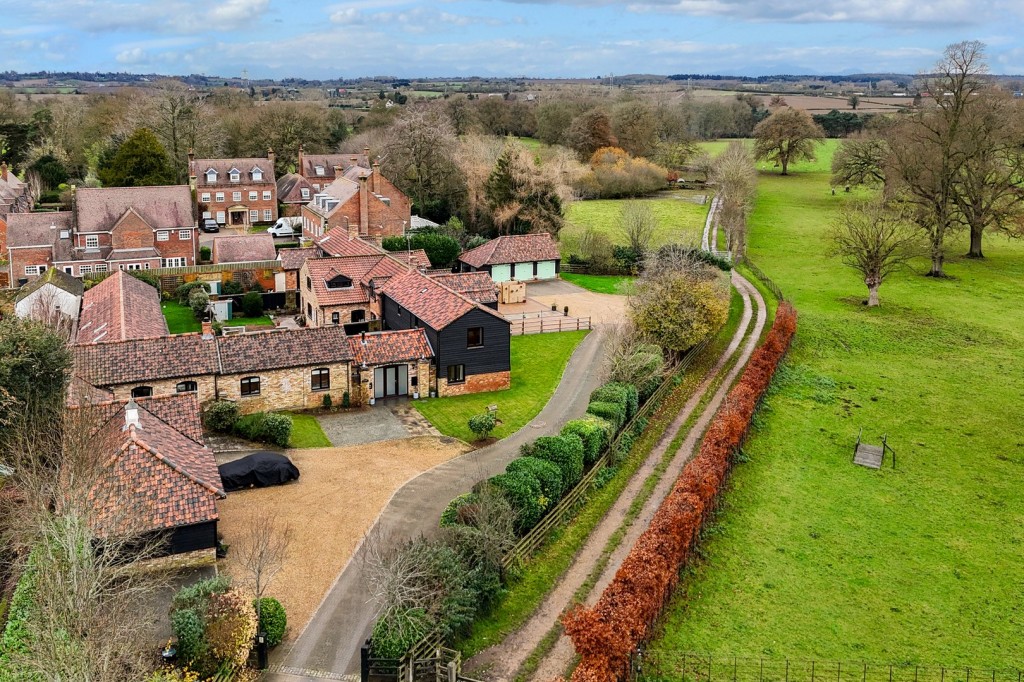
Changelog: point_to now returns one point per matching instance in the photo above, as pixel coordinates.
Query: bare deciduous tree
(736, 177)
(638, 224)
(631, 359)
(262, 549)
(787, 135)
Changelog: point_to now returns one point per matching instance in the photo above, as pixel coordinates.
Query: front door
(390, 381)
(238, 217)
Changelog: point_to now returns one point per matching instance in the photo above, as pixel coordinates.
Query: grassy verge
(541, 573)
(602, 284)
(538, 362)
(812, 557)
(306, 432)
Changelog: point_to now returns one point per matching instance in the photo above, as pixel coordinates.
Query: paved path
(328, 648)
(502, 661)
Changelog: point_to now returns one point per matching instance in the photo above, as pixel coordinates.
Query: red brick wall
(132, 232)
(400, 204)
(175, 247)
(22, 257)
(475, 383)
(3, 239)
(213, 206)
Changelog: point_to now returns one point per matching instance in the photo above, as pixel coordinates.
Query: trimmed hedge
(565, 452)
(267, 427)
(451, 515)
(611, 412)
(547, 474)
(272, 619)
(593, 431)
(604, 636)
(221, 415)
(523, 492)
(623, 394)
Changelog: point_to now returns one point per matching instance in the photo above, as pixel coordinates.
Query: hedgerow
(547, 474)
(523, 492)
(565, 452)
(593, 431)
(612, 412)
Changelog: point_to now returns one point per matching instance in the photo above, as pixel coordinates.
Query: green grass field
(679, 220)
(538, 361)
(812, 557)
(306, 432)
(602, 284)
(180, 319)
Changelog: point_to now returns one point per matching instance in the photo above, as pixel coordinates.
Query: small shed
(523, 257)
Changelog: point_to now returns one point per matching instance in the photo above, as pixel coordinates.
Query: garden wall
(606, 635)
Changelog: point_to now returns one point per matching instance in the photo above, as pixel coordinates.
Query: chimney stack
(366, 152)
(3, 171)
(270, 155)
(363, 334)
(207, 329)
(338, 171)
(302, 169)
(364, 207)
(374, 186)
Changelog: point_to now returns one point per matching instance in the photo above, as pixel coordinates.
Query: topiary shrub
(273, 621)
(185, 290)
(614, 413)
(327, 401)
(523, 492)
(451, 516)
(565, 452)
(593, 431)
(346, 400)
(221, 415)
(252, 304)
(205, 254)
(482, 424)
(623, 394)
(547, 474)
(190, 630)
(266, 427)
(198, 301)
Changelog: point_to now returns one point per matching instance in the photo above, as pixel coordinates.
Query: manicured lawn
(680, 220)
(306, 432)
(180, 319)
(602, 284)
(537, 365)
(813, 557)
(261, 321)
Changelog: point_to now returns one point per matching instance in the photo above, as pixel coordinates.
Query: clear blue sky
(544, 38)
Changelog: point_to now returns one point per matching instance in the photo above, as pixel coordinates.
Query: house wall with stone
(285, 389)
(475, 383)
(206, 386)
(421, 380)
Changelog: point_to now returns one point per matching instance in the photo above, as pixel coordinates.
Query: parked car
(210, 225)
(285, 227)
(258, 470)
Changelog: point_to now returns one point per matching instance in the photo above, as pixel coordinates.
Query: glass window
(187, 387)
(320, 379)
(163, 235)
(253, 196)
(92, 241)
(254, 215)
(220, 217)
(205, 198)
(456, 374)
(101, 267)
(185, 235)
(257, 175)
(220, 196)
(267, 196)
(335, 318)
(236, 196)
(305, 193)
(250, 386)
(142, 391)
(358, 315)
(235, 177)
(84, 269)
(474, 337)
(211, 176)
(268, 214)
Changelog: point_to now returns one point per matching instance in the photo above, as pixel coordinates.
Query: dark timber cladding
(450, 344)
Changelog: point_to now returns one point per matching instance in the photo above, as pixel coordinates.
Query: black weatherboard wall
(449, 344)
(191, 538)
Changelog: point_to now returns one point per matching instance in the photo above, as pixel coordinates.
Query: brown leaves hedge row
(605, 635)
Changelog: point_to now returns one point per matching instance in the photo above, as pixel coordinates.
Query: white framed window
(92, 241)
(173, 263)
(100, 267)
(316, 186)
(268, 214)
(163, 235)
(70, 269)
(133, 266)
(220, 196)
(257, 175)
(236, 177)
(205, 197)
(236, 196)
(84, 269)
(185, 235)
(146, 266)
(253, 196)
(35, 269)
(254, 215)
(305, 192)
(211, 175)
(220, 217)
(267, 196)
(319, 170)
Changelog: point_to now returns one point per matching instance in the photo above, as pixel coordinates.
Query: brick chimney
(302, 168)
(364, 206)
(352, 228)
(338, 171)
(270, 155)
(207, 329)
(366, 153)
(3, 171)
(374, 183)
(191, 168)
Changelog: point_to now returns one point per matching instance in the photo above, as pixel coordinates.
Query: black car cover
(258, 470)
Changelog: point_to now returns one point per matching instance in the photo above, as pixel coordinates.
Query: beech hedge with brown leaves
(605, 635)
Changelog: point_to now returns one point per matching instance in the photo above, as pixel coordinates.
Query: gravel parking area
(329, 509)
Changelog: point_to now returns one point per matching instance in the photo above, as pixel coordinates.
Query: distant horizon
(272, 39)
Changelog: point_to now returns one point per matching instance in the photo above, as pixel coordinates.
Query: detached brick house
(320, 170)
(159, 479)
(522, 257)
(235, 192)
(471, 343)
(293, 191)
(342, 290)
(115, 228)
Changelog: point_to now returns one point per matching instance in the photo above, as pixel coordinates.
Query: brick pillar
(364, 207)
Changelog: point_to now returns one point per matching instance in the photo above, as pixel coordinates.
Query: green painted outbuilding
(523, 257)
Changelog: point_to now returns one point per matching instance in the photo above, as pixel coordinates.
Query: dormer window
(257, 175)
(235, 175)
(305, 193)
(339, 282)
(319, 170)
(211, 176)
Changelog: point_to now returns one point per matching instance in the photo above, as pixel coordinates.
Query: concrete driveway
(540, 296)
(367, 425)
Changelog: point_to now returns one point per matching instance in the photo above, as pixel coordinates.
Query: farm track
(505, 660)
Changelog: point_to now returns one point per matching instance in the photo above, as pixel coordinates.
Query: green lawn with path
(180, 319)
(306, 432)
(538, 361)
(680, 218)
(812, 557)
(602, 284)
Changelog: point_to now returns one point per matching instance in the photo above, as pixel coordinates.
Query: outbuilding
(523, 257)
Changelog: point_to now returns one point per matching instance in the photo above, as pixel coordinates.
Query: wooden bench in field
(872, 456)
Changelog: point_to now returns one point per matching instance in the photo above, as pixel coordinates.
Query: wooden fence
(562, 511)
(428, 660)
(768, 283)
(546, 324)
(696, 667)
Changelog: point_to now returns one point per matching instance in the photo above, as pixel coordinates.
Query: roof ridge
(465, 298)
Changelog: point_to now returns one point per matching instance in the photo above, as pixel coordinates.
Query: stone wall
(284, 389)
(206, 385)
(475, 383)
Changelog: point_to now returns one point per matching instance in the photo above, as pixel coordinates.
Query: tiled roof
(98, 208)
(284, 348)
(383, 348)
(119, 308)
(476, 285)
(417, 258)
(36, 229)
(292, 259)
(328, 162)
(140, 360)
(224, 166)
(431, 302)
(57, 278)
(181, 411)
(516, 248)
(341, 189)
(290, 186)
(338, 242)
(156, 477)
(82, 393)
(243, 248)
(360, 269)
